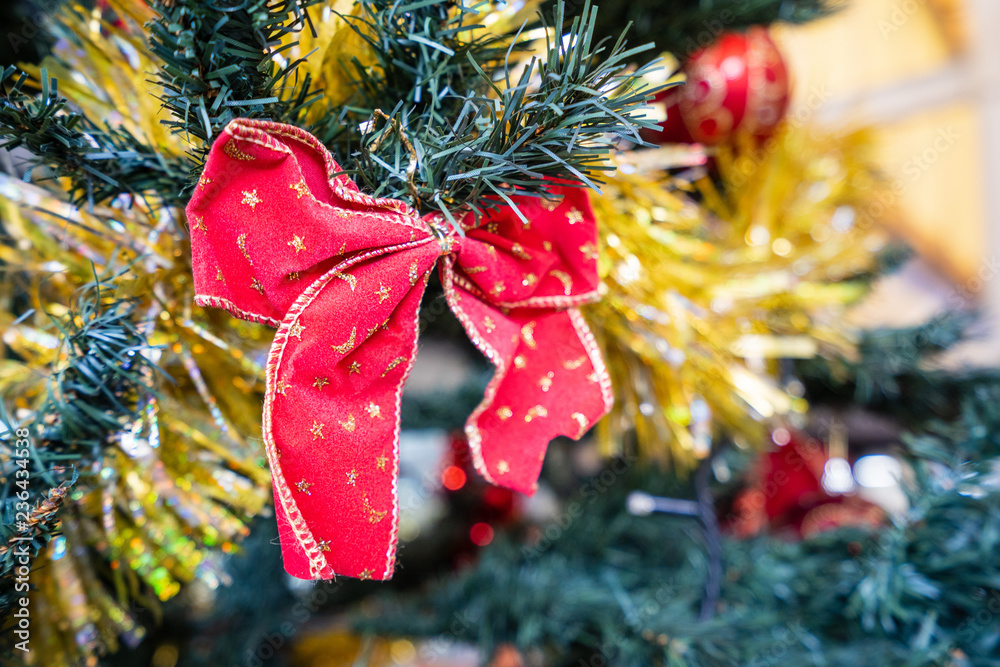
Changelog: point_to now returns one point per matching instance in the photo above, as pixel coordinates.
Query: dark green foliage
(101, 162)
(622, 590)
(218, 62)
(94, 394)
(683, 26)
(448, 125)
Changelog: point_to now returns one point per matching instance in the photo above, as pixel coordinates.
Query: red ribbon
(277, 238)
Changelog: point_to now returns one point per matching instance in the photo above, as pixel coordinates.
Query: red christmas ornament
(788, 495)
(738, 85)
(280, 236)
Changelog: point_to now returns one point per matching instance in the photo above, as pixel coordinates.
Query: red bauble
(738, 85)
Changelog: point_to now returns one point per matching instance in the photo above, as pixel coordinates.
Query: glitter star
(298, 243)
(301, 189)
(294, 275)
(574, 216)
(383, 293)
(317, 430)
(296, 330)
(374, 411)
(319, 383)
(199, 223)
(502, 467)
(203, 181)
(380, 462)
(251, 199)
(219, 276)
(281, 386)
(355, 368)
(351, 476)
(303, 486)
(324, 545)
(349, 424)
(255, 285)
(489, 324)
(366, 574)
(589, 251)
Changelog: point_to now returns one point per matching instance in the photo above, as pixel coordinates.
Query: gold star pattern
(414, 274)
(319, 383)
(546, 382)
(489, 324)
(547, 245)
(351, 477)
(233, 151)
(564, 278)
(298, 243)
(502, 467)
(519, 362)
(366, 574)
(219, 276)
(589, 251)
(374, 516)
(241, 242)
(574, 216)
(317, 430)
(374, 411)
(295, 331)
(529, 279)
(392, 364)
(303, 487)
(551, 204)
(348, 278)
(294, 275)
(498, 287)
(528, 334)
(349, 424)
(281, 386)
(518, 251)
(504, 413)
(301, 189)
(537, 411)
(345, 347)
(199, 222)
(203, 181)
(383, 293)
(355, 368)
(251, 199)
(255, 285)
(324, 545)
(381, 461)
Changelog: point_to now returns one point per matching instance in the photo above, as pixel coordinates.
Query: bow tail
(550, 380)
(331, 414)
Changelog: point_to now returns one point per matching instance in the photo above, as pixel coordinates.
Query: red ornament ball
(737, 85)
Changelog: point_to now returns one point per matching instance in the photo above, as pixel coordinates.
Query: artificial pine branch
(464, 130)
(96, 392)
(100, 162)
(219, 61)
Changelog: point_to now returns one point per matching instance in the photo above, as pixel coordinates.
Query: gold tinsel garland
(180, 484)
(711, 278)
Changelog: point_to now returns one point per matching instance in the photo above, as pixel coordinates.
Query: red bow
(277, 238)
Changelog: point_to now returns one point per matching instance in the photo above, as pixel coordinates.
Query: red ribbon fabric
(278, 238)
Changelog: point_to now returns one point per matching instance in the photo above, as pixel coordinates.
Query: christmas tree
(138, 521)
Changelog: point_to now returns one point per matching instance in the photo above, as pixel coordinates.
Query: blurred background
(801, 320)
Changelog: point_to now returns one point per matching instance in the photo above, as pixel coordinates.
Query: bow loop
(279, 235)
(270, 215)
